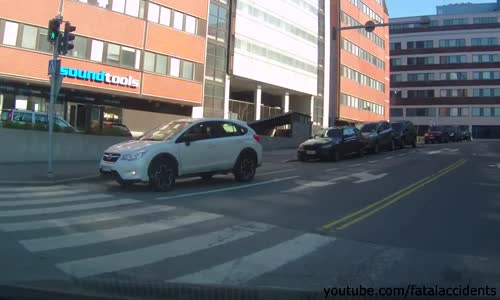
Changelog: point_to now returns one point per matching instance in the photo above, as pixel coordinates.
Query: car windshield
(165, 132)
(372, 127)
(332, 133)
(397, 126)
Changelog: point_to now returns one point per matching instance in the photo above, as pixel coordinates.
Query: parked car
(34, 118)
(465, 135)
(454, 133)
(405, 132)
(119, 129)
(332, 144)
(436, 134)
(378, 136)
(187, 148)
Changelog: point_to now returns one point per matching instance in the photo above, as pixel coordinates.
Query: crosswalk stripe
(65, 208)
(56, 200)
(152, 254)
(40, 194)
(106, 235)
(87, 219)
(32, 188)
(248, 267)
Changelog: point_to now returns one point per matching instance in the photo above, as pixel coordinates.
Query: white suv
(187, 148)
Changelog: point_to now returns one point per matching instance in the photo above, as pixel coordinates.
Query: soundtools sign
(99, 77)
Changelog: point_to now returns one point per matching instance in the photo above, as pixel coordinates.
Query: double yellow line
(375, 207)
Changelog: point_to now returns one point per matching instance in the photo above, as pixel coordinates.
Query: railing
(245, 111)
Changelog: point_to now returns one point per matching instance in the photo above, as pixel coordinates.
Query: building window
(361, 104)
(30, 34)
(453, 59)
(485, 20)
(453, 92)
(454, 112)
(420, 112)
(395, 62)
(419, 44)
(175, 65)
(453, 76)
(396, 112)
(187, 70)
(216, 63)
(161, 64)
(10, 33)
(96, 50)
(217, 21)
(420, 93)
(476, 111)
(153, 12)
(464, 111)
(420, 76)
(113, 55)
(490, 41)
(486, 75)
(455, 22)
(395, 46)
(491, 92)
(190, 25)
(149, 62)
(165, 14)
(482, 58)
(396, 77)
(444, 112)
(427, 60)
(362, 79)
(486, 112)
(365, 55)
(497, 111)
(178, 20)
(452, 43)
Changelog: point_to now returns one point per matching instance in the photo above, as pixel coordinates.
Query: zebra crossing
(86, 234)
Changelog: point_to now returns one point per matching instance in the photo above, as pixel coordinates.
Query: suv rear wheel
(245, 168)
(162, 174)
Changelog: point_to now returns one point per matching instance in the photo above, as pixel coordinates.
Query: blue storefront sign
(102, 76)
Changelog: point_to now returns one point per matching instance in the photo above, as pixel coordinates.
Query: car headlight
(134, 156)
(301, 147)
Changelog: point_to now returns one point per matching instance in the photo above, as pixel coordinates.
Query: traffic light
(53, 30)
(69, 37)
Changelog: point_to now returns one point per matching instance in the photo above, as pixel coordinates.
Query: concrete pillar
(312, 109)
(258, 102)
(285, 103)
(226, 97)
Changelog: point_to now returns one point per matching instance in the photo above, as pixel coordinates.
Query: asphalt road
(429, 215)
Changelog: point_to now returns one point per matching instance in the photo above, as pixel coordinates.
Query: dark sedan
(437, 134)
(332, 143)
(379, 136)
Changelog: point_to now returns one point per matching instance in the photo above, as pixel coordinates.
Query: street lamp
(370, 25)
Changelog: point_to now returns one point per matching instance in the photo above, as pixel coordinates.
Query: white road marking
(245, 268)
(143, 256)
(40, 194)
(400, 155)
(275, 172)
(56, 200)
(106, 235)
(355, 165)
(495, 166)
(373, 161)
(66, 208)
(87, 219)
(389, 157)
(307, 185)
(365, 177)
(32, 188)
(331, 170)
(239, 187)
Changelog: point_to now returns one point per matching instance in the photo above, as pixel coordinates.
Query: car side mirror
(187, 139)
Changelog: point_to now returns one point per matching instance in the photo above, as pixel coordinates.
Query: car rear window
(397, 126)
(5, 115)
(369, 127)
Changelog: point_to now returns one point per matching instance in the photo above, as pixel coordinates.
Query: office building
(448, 73)
(359, 81)
(135, 62)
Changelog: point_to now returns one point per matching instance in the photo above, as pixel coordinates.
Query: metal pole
(53, 94)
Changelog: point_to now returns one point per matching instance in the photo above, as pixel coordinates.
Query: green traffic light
(53, 35)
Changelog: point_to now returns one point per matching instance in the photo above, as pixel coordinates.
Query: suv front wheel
(162, 175)
(245, 168)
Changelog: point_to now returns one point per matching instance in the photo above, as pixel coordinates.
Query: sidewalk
(73, 171)
(35, 173)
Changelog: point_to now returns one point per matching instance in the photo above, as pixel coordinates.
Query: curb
(51, 182)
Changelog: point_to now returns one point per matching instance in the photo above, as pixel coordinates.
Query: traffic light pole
(54, 80)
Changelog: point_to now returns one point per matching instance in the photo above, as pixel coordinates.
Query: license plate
(311, 152)
(106, 168)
